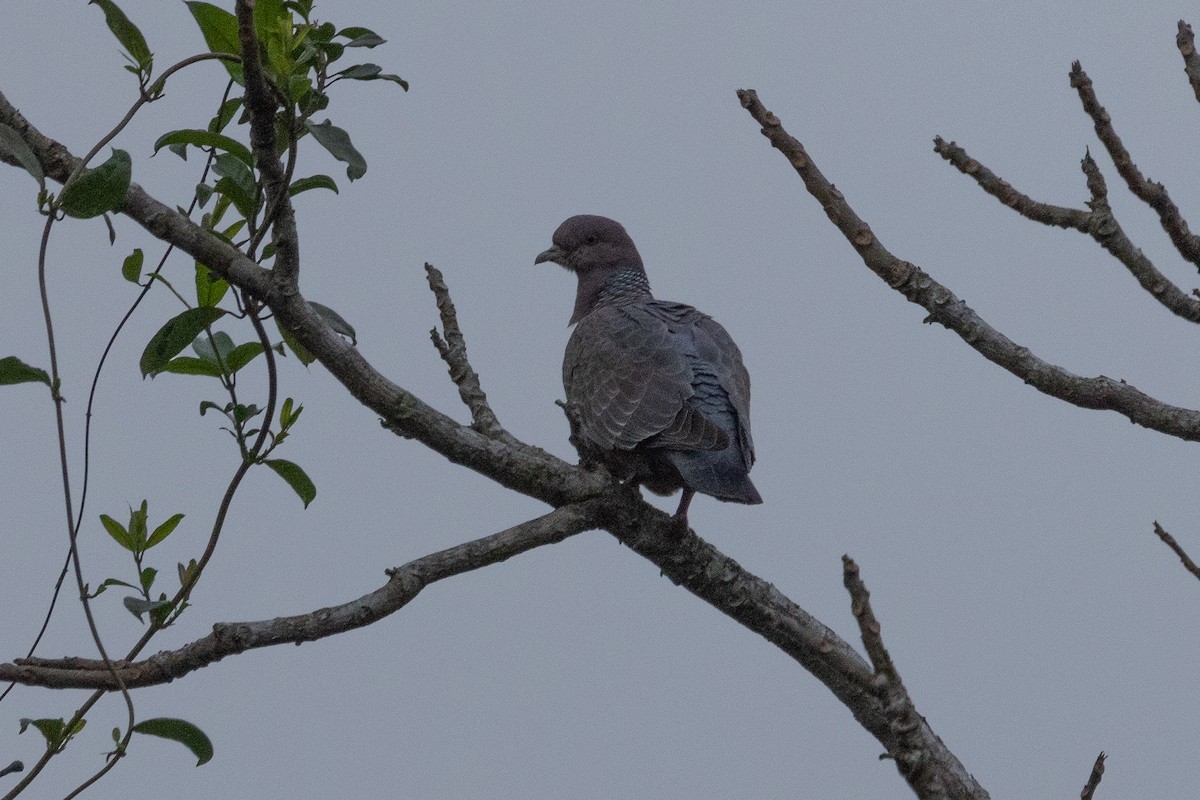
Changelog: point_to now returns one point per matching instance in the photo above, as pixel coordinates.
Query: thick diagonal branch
(946, 309)
(1150, 192)
(687, 560)
(522, 467)
(1098, 223)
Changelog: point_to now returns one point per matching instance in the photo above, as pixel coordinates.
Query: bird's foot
(681, 514)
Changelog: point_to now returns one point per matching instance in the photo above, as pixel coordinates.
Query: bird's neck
(610, 287)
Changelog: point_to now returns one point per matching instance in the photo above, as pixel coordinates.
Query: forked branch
(1098, 223)
(948, 310)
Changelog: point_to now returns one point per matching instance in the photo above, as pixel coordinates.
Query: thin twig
(1170, 542)
(1093, 780)
(453, 350)
(912, 751)
(1150, 192)
(1099, 223)
(1185, 40)
(948, 310)
(1003, 191)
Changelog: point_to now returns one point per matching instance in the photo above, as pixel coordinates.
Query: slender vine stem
(73, 559)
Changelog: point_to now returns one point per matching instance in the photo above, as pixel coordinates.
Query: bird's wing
(629, 380)
(716, 348)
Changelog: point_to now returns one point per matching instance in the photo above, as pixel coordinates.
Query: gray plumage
(659, 390)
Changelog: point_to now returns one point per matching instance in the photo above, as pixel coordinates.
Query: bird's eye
(590, 238)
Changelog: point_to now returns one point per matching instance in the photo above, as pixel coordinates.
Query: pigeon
(656, 390)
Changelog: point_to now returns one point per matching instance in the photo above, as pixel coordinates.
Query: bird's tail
(718, 474)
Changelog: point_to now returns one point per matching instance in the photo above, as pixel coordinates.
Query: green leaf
(355, 32)
(11, 144)
(177, 334)
(206, 139)
(147, 576)
(117, 531)
(186, 572)
(162, 532)
(396, 79)
(14, 370)
(99, 190)
(131, 269)
(299, 350)
(52, 730)
(295, 477)
(107, 582)
(225, 115)
(179, 730)
(371, 72)
(243, 413)
(137, 526)
(204, 193)
(237, 182)
(286, 416)
(333, 51)
(127, 34)
(337, 142)
(312, 182)
(361, 72)
(273, 24)
(205, 405)
(186, 365)
(301, 7)
(137, 606)
(367, 39)
(213, 350)
(242, 355)
(219, 29)
(334, 320)
(209, 287)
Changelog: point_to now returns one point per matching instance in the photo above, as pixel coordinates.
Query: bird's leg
(685, 500)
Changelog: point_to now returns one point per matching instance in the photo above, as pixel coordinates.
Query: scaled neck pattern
(625, 284)
(618, 287)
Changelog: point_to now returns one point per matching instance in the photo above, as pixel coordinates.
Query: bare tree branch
(1185, 40)
(1151, 193)
(1002, 190)
(522, 467)
(1099, 223)
(1170, 542)
(1093, 780)
(918, 752)
(951, 312)
(404, 583)
(453, 350)
(684, 558)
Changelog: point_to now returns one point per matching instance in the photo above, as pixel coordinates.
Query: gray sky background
(1006, 536)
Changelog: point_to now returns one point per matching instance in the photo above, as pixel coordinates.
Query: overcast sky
(1005, 536)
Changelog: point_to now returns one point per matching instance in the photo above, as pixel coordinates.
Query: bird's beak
(555, 254)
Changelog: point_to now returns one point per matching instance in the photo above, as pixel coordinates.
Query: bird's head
(587, 242)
